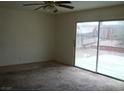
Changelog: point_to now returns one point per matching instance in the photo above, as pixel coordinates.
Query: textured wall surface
(25, 36)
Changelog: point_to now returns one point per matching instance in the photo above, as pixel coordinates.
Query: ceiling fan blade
(66, 6)
(33, 4)
(62, 2)
(38, 7)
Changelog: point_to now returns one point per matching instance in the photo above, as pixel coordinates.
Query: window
(100, 47)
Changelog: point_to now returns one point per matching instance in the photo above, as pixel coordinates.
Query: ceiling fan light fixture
(51, 6)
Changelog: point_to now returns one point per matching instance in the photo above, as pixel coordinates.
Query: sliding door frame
(97, 54)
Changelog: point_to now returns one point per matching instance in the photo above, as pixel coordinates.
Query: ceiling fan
(51, 5)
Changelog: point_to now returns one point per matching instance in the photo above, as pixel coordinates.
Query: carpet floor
(51, 76)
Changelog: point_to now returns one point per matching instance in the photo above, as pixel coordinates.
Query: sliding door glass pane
(111, 49)
(86, 45)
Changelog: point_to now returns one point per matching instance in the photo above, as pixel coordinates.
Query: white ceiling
(79, 5)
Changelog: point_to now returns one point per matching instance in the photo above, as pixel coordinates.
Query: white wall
(65, 28)
(25, 36)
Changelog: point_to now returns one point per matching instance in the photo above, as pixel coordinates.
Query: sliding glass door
(86, 45)
(111, 49)
(100, 47)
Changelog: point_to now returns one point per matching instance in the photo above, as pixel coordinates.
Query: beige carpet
(54, 76)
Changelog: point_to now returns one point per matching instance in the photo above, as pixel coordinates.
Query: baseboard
(28, 66)
(63, 63)
(24, 66)
(24, 63)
